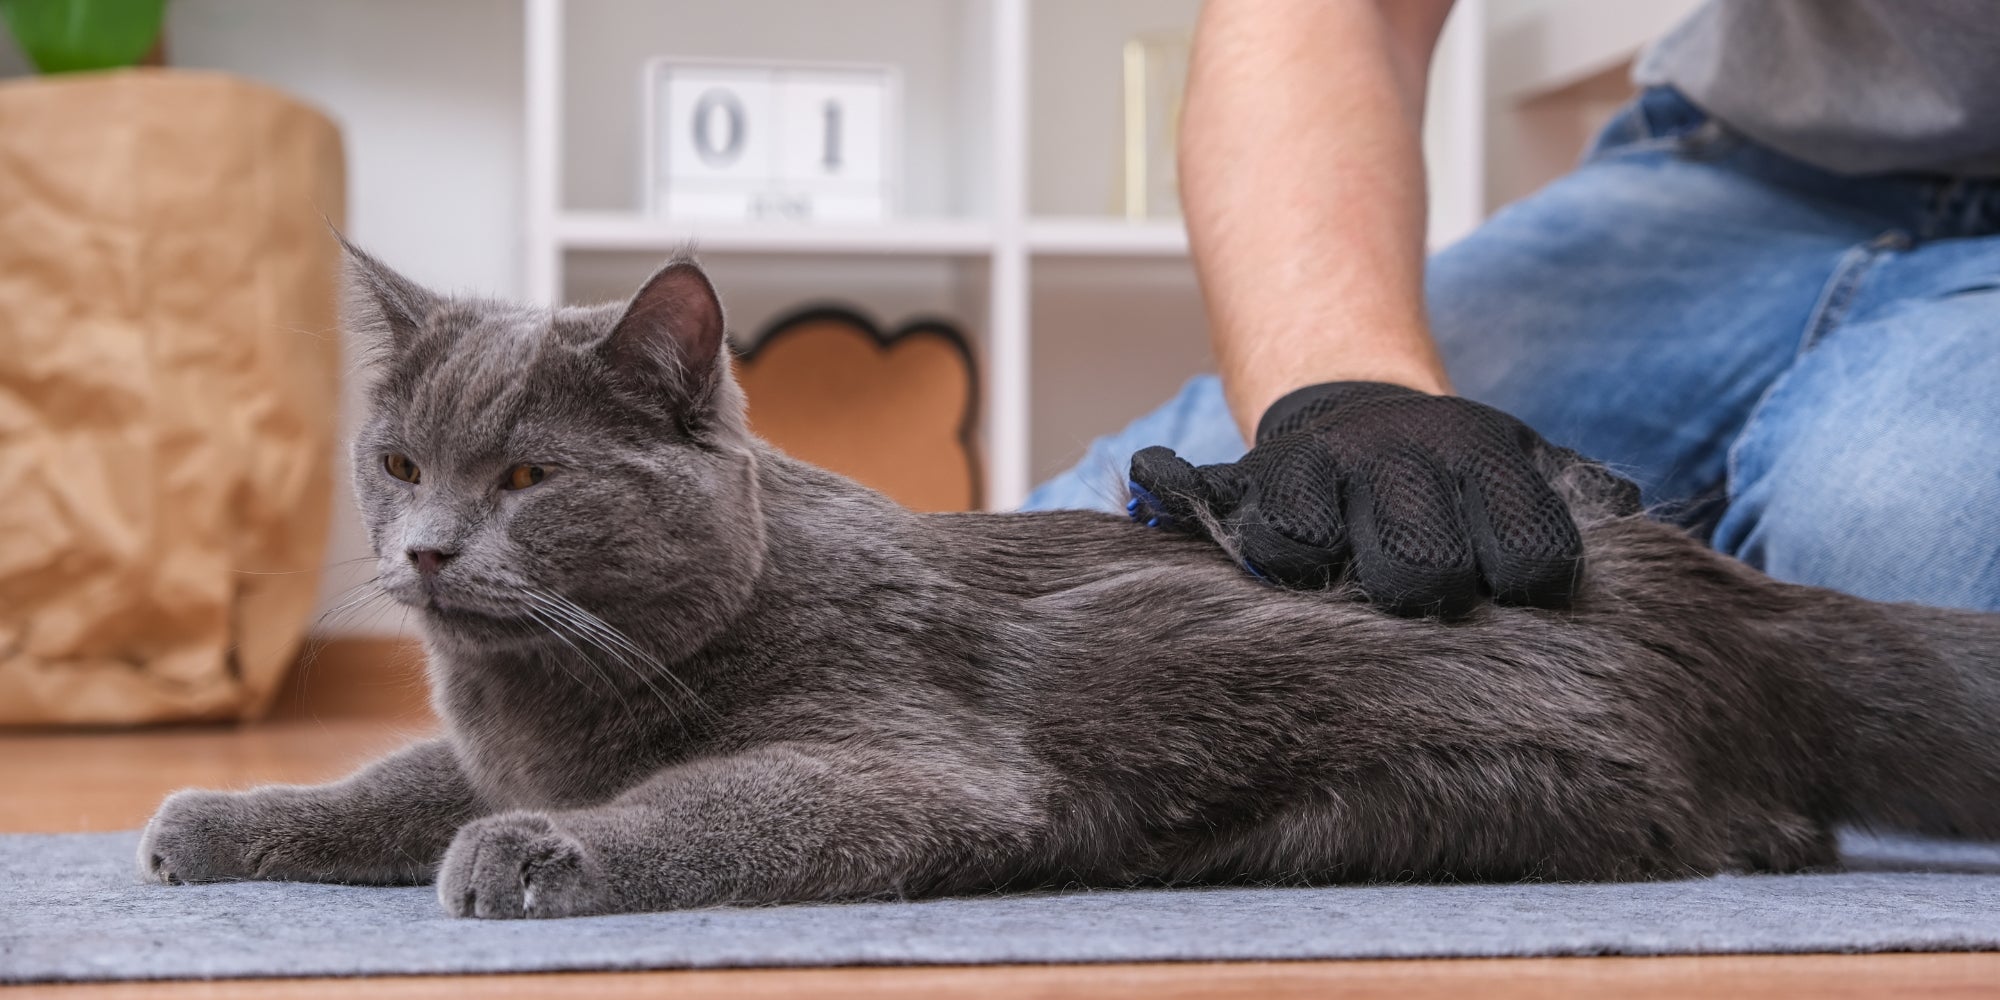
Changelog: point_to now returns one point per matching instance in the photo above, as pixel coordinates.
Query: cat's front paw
(518, 865)
(197, 836)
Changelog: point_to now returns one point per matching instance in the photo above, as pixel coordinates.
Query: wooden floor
(361, 699)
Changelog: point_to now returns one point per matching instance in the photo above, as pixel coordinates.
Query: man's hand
(1431, 502)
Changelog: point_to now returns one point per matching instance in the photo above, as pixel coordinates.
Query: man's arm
(1302, 178)
(1303, 183)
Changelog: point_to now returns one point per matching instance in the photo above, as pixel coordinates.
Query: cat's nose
(429, 561)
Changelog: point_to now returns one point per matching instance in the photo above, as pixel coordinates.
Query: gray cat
(677, 668)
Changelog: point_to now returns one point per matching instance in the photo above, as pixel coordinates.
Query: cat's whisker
(593, 667)
(347, 611)
(637, 672)
(601, 634)
(590, 635)
(612, 634)
(597, 641)
(589, 663)
(587, 620)
(315, 569)
(554, 626)
(351, 606)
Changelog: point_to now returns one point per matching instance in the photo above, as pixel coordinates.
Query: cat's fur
(793, 689)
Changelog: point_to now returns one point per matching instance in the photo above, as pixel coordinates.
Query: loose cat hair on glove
(677, 668)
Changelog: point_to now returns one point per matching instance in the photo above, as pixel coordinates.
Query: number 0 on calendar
(756, 141)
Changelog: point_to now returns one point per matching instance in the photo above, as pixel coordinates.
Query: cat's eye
(522, 476)
(402, 468)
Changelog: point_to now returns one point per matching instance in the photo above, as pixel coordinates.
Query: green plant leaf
(64, 36)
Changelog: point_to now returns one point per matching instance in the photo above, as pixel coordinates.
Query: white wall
(428, 95)
(1558, 70)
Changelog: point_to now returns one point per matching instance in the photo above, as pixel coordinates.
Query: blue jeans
(1804, 367)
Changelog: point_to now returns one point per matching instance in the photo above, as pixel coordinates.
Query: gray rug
(71, 909)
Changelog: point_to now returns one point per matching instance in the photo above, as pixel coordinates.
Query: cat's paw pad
(517, 865)
(195, 837)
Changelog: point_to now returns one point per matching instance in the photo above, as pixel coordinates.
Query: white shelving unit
(988, 219)
(616, 231)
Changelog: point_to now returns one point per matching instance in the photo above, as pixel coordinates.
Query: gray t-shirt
(1854, 86)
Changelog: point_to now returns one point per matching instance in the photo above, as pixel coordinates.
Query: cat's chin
(475, 619)
(480, 633)
(469, 622)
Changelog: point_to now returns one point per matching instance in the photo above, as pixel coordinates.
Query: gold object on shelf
(1155, 85)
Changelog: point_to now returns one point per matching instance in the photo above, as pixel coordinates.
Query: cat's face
(519, 464)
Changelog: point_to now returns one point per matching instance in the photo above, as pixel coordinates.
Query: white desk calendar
(744, 141)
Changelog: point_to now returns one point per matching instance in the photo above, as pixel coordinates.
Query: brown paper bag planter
(894, 411)
(168, 373)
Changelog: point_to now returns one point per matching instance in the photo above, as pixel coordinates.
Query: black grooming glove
(1431, 503)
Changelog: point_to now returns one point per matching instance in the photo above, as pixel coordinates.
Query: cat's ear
(670, 336)
(382, 307)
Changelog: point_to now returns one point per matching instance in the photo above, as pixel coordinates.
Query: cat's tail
(1916, 720)
(1906, 698)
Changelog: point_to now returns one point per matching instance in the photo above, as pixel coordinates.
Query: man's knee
(1872, 515)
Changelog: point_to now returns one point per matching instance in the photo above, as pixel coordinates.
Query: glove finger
(1167, 492)
(1528, 548)
(1290, 529)
(1411, 554)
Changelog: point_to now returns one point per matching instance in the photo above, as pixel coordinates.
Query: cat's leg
(786, 822)
(388, 823)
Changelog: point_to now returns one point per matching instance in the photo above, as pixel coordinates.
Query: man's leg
(1637, 309)
(1195, 423)
(1634, 310)
(1873, 466)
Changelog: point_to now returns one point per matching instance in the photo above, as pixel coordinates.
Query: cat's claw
(517, 865)
(198, 836)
